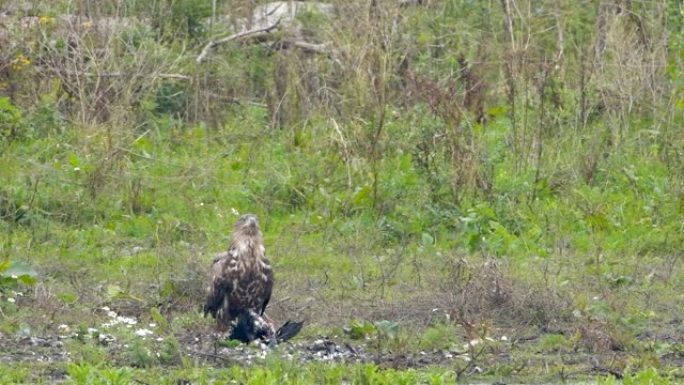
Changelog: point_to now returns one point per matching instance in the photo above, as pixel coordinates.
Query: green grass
(143, 237)
(273, 372)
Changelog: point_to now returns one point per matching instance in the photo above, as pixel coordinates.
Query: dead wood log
(259, 33)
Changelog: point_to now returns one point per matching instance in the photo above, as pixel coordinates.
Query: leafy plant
(11, 122)
(81, 373)
(187, 16)
(140, 355)
(439, 336)
(13, 273)
(360, 329)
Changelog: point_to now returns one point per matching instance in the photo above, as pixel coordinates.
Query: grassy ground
(139, 244)
(421, 244)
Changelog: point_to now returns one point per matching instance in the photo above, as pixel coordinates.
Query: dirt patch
(323, 349)
(519, 356)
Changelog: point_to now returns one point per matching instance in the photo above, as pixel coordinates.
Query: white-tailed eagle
(240, 287)
(242, 277)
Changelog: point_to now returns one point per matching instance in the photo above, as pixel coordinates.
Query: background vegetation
(464, 169)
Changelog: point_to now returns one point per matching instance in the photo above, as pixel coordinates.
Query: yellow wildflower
(19, 62)
(46, 20)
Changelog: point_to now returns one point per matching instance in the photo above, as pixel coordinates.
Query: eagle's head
(248, 224)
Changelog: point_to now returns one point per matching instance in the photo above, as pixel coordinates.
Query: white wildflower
(106, 337)
(143, 332)
(474, 342)
(126, 320)
(12, 300)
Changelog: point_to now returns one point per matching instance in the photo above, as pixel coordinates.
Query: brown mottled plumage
(241, 278)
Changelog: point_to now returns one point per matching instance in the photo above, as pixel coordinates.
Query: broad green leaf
(388, 328)
(68, 298)
(4, 266)
(362, 195)
(427, 239)
(27, 279)
(18, 269)
(114, 291)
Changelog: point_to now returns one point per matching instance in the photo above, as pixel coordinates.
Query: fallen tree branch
(123, 74)
(252, 34)
(318, 48)
(306, 46)
(61, 72)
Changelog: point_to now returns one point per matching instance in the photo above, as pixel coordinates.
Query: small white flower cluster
(65, 332)
(104, 338)
(12, 298)
(144, 332)
(117, 319)
(128, 322)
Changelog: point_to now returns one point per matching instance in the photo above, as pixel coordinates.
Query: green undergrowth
(137, 236)
(272, 372)
(167, 198)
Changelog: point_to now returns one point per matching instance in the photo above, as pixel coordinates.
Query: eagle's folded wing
(217, 291)
(268, 284)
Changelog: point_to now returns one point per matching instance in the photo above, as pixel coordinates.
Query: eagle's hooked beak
(251, 221)
(248, 222)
